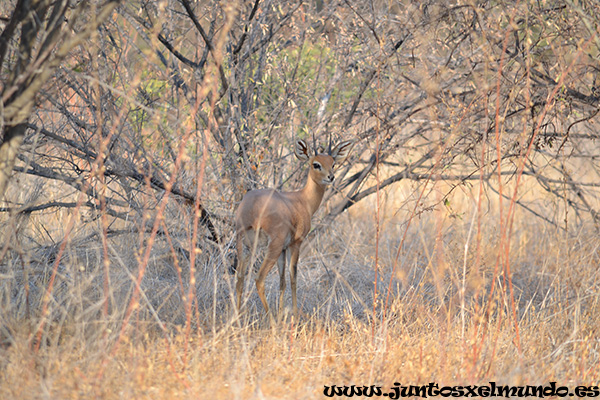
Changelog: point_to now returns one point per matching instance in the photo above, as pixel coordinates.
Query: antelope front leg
(295, 253)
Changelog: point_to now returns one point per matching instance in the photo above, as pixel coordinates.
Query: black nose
(331, 177)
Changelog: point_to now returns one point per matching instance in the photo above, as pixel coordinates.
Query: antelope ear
(301, 150)
(340, 152)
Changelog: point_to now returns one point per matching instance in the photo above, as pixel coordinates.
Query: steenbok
(283, 219)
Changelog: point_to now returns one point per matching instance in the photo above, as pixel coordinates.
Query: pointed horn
(315, 144)
(329, 146)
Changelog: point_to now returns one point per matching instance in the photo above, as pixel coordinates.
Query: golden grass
(296, 362)
(441, 323)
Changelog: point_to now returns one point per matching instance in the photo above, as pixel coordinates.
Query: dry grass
(431, 331)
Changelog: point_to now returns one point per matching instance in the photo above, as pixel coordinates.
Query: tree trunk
(13, 138)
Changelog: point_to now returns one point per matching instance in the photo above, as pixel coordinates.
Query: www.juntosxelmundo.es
(434, 390)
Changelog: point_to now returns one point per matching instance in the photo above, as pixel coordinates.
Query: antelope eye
(317, 166)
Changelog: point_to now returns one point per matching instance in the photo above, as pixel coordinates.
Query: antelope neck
(312, 194)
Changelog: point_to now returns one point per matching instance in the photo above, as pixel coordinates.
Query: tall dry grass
(448, 317)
